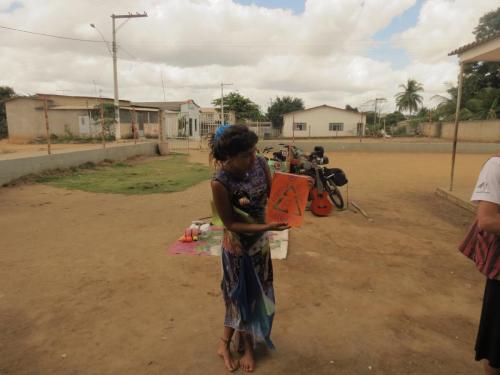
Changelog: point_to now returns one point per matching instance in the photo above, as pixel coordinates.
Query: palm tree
(409, 99)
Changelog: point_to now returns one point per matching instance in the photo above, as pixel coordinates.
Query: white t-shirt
(488, 184)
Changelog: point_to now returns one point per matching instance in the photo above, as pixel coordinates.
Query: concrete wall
(413, 147)
(25, 119)
(151, 130)
(126, 129)
(171, 124)
(318, 120)
(473, 131)
(10, 169)
(430, 129)
(60, 120)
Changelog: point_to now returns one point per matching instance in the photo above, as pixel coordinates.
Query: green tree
(409, 99)
(280, 106)
(423, 112)
(109, 117)
(393, 118)
(481, 82)
(349, 108)
(243, 107)
(481, 79)
(370, 119)
(488, 24)
(6, 92)
(485, 104)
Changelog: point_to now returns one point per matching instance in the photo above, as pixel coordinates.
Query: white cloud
(443, 25)
(319, 55)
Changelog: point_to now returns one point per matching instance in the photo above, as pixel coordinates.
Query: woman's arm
(225, 211)
(488, 217)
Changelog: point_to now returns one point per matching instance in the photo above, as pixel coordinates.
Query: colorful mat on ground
(210, 244)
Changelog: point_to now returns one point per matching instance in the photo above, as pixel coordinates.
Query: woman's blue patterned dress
(247, 282)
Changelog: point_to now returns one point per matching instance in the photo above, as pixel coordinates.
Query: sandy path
(86, 286)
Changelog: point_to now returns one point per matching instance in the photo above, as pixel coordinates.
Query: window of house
(195, 125)
(153, 117)
(142, 117)
(125, 115)
(299, 126)
(336, 126)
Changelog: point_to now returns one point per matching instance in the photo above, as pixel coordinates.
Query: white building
(210, 119)
(180, 119)
(323, 121)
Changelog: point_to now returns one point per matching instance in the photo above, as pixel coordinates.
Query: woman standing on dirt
(487, 194)
(240, 190)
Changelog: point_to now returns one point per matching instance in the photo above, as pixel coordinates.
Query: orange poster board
(289, 193)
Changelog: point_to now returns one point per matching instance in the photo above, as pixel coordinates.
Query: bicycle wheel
(335, 195)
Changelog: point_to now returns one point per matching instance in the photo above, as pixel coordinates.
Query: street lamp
(102, 37)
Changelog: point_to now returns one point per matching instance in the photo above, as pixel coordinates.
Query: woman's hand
(244, 201)
(276, 226)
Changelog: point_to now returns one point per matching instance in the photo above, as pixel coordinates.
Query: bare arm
(225, 211)
(488, 217)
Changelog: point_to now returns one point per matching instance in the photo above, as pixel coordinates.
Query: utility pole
(222, 101)
(115, 72)
(47, 127)
(364, 110)
(375, 111)
(457, 120)
(363, 124)
(134, 131)
(160, 126)
(103, 136)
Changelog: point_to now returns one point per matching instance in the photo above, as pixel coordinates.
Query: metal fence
(186, 143)
(264, 130)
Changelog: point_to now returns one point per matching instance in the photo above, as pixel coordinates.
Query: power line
(51, 35)
(331, 42)
(120, 47)
(371, 42)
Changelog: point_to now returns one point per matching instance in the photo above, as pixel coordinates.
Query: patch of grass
(174, 173)
(69, 138)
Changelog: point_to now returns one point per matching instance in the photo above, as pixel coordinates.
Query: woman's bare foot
(224, 352)
(238, 342)
(247, 362)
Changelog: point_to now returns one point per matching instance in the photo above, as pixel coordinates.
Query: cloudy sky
(334, 52)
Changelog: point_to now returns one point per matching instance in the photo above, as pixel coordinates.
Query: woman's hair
(230, 141)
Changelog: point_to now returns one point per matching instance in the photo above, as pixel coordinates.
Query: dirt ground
(87, 287)
(7, 148)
